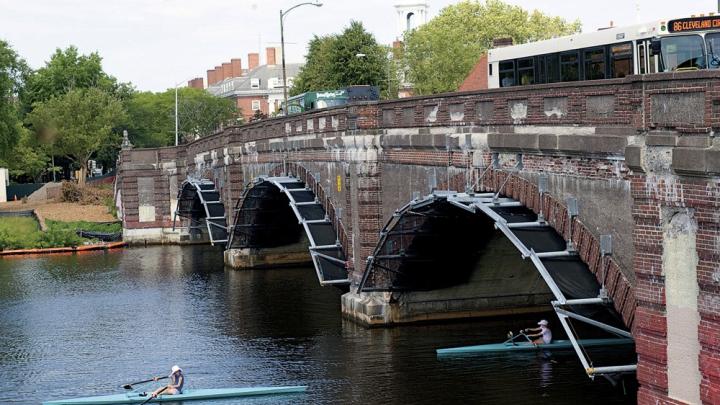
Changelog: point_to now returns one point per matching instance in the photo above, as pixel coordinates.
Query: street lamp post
(282, 47)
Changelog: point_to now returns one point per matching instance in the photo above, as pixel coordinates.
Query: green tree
(12, 71)
(78, 124)
(352, 58)
(151, 116)
(66, 70)
(30, 160)
(441, 53)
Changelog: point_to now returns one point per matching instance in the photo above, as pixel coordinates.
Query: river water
(84, 325)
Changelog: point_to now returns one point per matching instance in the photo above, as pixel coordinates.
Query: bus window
(569, 67)
(507, 73)
(683, 52)
(541, 76)
(621, 60)
(553, 68)
(594, 64)
(641, 59)
(713, 50)
(526, 71)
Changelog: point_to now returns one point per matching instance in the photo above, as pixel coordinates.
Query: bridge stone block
(600, 105)
(518, 110)
(430, 113)
(484, 110)
(677, 108)
(520, 142)
(556, 107)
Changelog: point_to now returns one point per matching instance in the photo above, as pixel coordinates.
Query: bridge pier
(284, 256)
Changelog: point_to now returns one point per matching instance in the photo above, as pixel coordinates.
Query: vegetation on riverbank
(25, 233)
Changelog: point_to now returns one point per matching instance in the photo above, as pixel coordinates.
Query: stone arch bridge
(476, 204)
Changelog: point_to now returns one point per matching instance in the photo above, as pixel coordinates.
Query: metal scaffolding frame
(204, 192)
(325, 249)
(491, 205)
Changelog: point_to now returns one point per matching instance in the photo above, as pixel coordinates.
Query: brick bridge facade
(638, 154)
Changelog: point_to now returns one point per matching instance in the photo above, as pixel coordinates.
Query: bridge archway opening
(279, 211)
(396, 264)
(199, 202)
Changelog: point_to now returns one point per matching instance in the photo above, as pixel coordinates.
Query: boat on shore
(187, 395)
(527, 346)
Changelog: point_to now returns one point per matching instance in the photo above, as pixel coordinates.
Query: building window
(273, 82)
(507, 73)
(254, 83)
(526, 71)
(595, 64)
(255, 105)
(569, 66)
(621, 60)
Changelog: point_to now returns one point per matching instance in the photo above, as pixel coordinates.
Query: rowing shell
(527, 346)
(187, 395)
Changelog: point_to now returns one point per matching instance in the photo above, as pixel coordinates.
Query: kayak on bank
(187, 395)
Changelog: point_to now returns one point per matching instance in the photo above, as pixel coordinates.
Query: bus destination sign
(694, 24)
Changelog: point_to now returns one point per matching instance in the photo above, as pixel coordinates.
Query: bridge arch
(199, 201)
(277, 210)
(408, 259)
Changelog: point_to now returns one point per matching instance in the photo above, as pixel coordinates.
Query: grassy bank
(25, 233)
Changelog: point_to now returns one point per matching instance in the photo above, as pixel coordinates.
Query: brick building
(257, 88)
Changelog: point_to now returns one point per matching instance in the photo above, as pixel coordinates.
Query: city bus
(660, 46)
(313, 100)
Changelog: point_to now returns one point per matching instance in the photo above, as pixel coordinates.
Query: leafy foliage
(78, 123)
(441, 53)
(68, 70)
(12, 71)
(336, 61)
(151, 116)
(30, 159)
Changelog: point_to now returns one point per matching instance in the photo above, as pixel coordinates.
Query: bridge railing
(688, 102)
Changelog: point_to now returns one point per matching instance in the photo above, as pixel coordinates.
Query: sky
(156, 44)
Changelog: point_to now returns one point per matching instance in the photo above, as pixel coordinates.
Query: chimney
(253, 60)
(270, 55)
(218, 74)
(502, 42)
(210, 77)
(227, 70)
(196, 83)
(236, 67)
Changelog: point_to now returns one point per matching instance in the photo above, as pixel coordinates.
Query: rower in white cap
(177, 380)
(540, 335)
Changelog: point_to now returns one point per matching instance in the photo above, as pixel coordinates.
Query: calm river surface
(84, 325)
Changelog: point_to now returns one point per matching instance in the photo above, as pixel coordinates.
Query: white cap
(543, 323)
(175, 369)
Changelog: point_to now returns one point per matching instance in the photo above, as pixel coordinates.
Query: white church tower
(410, 14)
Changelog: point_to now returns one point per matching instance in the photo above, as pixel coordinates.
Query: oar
(129, 386)
(151, 398)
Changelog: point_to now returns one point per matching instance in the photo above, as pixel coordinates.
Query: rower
(542, 335)
(177, 380)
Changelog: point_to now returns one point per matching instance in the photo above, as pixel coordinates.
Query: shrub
(70, 192)
(87, 195)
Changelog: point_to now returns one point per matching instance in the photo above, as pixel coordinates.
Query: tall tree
(66, 70)
(441, 53)
(151, 116)
(12, 71)
(78, 124)
(352, 58)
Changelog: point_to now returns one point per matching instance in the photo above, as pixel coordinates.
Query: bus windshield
(683, 52)
(713, 49)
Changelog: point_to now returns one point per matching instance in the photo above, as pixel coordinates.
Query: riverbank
(53, 225)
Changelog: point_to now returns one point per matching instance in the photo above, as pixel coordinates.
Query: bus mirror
(654, 47)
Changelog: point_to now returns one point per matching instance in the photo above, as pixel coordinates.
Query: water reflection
(84, 325)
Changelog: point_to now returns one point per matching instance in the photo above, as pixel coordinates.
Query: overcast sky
(157, 43)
